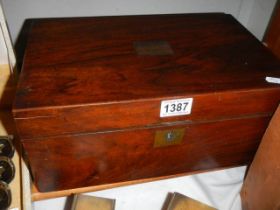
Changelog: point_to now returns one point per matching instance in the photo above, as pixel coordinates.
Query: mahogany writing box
(112, 99)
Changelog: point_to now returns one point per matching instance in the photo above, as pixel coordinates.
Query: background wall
(253, 14)
(3, 50)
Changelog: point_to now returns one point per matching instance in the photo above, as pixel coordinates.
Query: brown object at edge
(272, 36)
(261, 187)
(182, 202)
(86, 202)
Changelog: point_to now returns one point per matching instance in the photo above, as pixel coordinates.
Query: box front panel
(130, 114)
(73, 161)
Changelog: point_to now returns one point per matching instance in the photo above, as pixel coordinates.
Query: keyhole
(170, 136)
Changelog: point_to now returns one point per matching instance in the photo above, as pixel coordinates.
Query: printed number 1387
(176, 107)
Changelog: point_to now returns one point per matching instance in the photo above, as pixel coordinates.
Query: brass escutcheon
(169, 137)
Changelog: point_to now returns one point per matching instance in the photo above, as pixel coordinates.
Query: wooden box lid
(101, 73)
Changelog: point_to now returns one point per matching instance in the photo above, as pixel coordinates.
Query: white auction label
(176, 107)
(273, 80)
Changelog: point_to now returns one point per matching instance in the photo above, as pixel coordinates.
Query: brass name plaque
(156, 47)
(169, 137)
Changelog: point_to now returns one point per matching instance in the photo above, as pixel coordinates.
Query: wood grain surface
(145, 113)
(75, 68)
(37, 196)
(92, 60)
(89, 95)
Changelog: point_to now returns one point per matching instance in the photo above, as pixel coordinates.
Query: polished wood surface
(66, 162)
(260, 189)
(68, 58)
(115, 116)
(37, 196)
(88, 103)
(88, 67)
